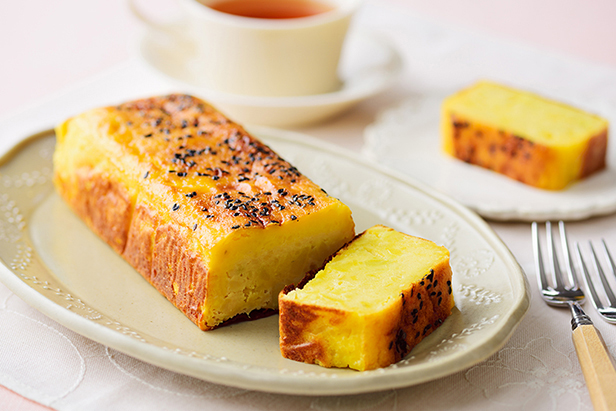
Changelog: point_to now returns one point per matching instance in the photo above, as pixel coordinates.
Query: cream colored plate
(53, 262)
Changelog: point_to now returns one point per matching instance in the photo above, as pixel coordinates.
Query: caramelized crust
(104, 205)
(178, 189)
(519, 158)
(594, 155)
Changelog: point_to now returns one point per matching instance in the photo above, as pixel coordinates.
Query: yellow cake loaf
(374, 300)
(209, 215)
(531, 139)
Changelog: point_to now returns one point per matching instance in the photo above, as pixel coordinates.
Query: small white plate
(369, 65)
(407, 138)
(56, 264)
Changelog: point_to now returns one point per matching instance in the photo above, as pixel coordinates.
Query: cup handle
(171, 28)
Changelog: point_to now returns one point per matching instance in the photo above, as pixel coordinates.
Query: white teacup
(264, 56)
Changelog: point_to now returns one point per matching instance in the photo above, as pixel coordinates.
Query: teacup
(285, 52)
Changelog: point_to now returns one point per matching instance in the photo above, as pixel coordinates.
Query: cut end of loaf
(374, 301)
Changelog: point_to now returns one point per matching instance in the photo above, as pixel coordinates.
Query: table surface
(53, 49)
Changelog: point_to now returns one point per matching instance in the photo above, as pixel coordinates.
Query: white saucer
(368, 66)
(407, 138)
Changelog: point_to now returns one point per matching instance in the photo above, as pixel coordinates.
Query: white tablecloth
(537, 369)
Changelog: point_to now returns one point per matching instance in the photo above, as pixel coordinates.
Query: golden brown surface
(341, 333)
(209, 215)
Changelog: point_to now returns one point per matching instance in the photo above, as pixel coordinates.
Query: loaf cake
(373, 301)
(528, 138)
(209, 215)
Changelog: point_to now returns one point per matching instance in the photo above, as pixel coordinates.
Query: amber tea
(271, 9)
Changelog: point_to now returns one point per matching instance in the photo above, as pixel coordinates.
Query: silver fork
(608, 313)
(560, 294)
(597, 365)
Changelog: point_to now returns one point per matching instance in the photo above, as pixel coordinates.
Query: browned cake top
(221, 171)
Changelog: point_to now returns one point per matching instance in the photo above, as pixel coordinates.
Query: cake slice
(375, 300)
(212, 217)
(531, 139)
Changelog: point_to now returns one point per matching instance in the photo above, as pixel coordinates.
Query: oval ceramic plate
(407, 138)
(53, 262)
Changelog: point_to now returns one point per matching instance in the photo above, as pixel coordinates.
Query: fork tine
(553, 259)
(539, 268)
(573, 280)
(609, 258)
(589, 284)
(606, 285)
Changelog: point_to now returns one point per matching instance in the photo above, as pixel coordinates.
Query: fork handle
(597, 365)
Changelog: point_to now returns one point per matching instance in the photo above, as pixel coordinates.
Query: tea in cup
(270, 9)
(268, 48)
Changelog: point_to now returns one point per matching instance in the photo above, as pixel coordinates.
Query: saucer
(369, 65)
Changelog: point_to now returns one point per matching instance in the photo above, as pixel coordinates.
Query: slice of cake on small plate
(374, 300)
(529, 138)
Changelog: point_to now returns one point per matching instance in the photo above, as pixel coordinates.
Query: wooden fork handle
(598, 367)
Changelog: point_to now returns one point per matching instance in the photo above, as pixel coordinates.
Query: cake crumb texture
(375, 300)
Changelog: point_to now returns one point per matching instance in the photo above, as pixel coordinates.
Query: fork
(607, 313)
(597, 365)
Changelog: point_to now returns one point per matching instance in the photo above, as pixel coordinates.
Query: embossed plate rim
(220, 370)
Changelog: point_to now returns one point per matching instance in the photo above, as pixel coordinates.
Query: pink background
(47, 45)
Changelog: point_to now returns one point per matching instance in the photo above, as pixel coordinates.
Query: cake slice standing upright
(375, 300)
